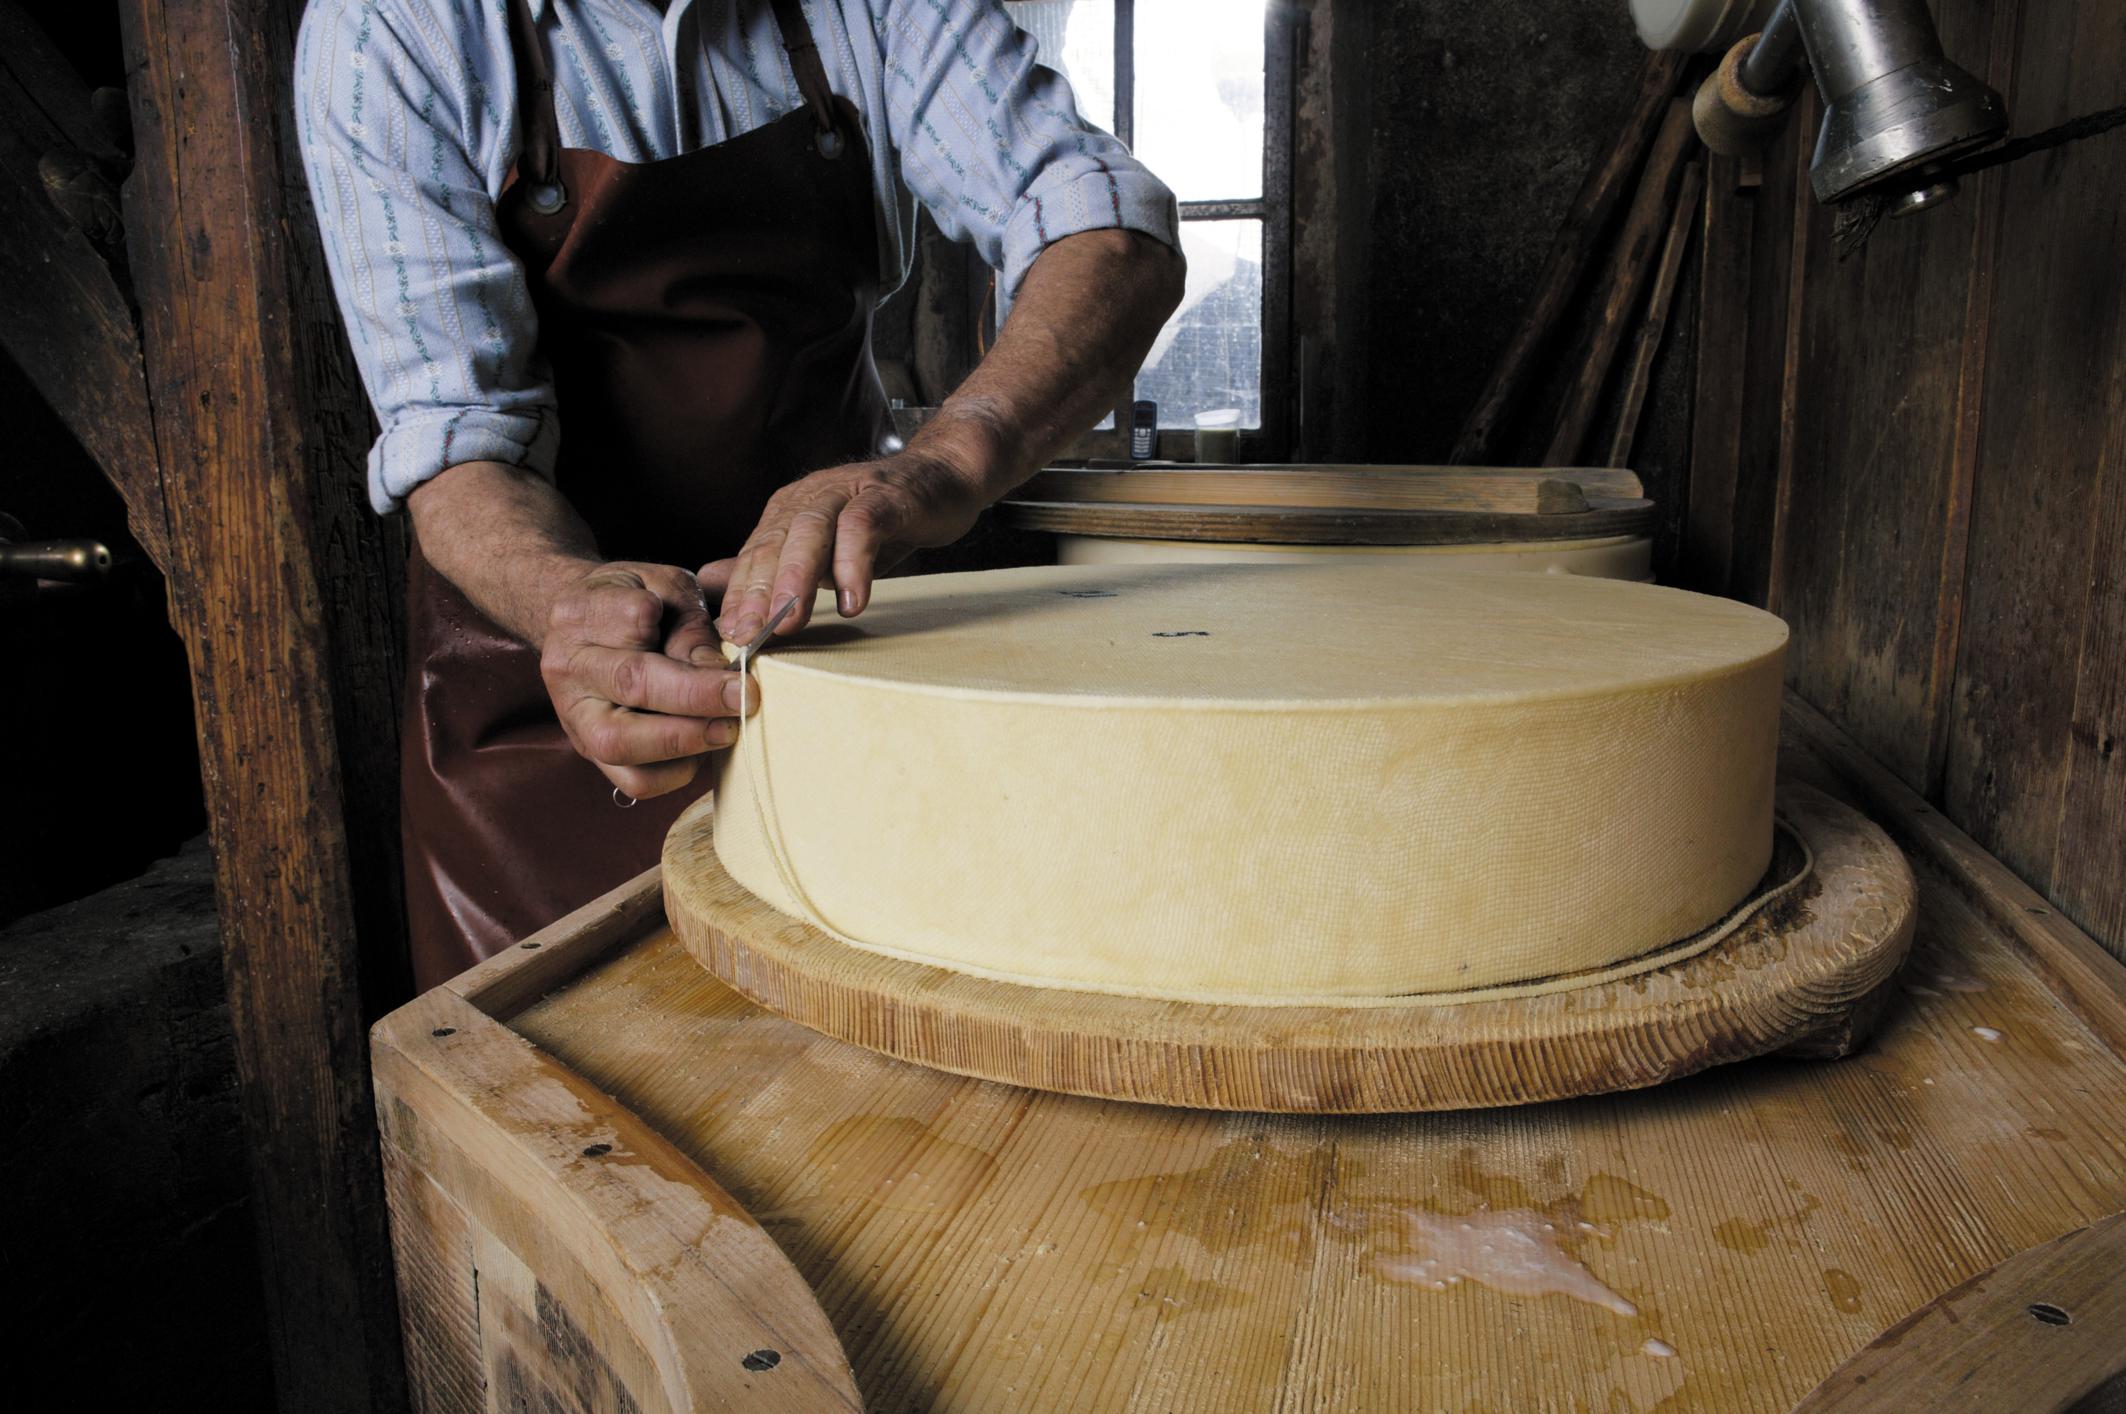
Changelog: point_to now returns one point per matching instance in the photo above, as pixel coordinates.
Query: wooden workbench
(617, 1184)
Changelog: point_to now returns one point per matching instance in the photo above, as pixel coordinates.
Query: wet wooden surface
(1726, 1241)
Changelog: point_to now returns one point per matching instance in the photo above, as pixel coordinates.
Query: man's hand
(847, 521)
(1088, 309)
(626, 649)
(631, 662)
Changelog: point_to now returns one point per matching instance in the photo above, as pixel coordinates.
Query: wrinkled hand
(850, 521)
(631, 662)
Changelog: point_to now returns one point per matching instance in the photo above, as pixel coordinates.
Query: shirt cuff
(1103, 198)
(417, 447)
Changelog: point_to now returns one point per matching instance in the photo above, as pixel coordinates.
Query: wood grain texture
(1987, 255)
(1571, 254)
(64, 318)
(2032, 769)
(283, 591)
(604, 1270)
(1951, 422)
(1518, 490)
(1295, 526)
(513, 978)
(439, 1287)
(2045, 1330)
(1799, 968)
(2074, 965)
(983, 1247)
(1875, 460)
(1638, 247)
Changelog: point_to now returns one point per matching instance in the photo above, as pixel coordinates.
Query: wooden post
(286, 594)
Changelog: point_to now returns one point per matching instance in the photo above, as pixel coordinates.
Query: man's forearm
(1087, 312)
(506, 538)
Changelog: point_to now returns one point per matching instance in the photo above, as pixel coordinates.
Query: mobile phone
(1143, 430)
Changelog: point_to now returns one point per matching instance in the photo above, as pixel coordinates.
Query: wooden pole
(1720, 385)
(286, 594)
(1646, 345)
(1637, 245)
(1571, 253)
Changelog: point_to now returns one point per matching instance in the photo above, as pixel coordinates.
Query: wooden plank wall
(1932, 489)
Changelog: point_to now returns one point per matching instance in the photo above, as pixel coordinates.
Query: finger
(689, 635)
(713, 576)
(615, 736)
(651, 682)
(803, 563)
(861, 535)
(647, 782)
(745, 598)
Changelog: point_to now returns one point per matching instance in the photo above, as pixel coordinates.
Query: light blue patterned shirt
(407, 114)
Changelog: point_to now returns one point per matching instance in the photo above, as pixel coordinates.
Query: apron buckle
(829, 142)
(547, 197)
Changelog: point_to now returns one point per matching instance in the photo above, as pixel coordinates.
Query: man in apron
(608, 270)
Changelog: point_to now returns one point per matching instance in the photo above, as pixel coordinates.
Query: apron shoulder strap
(804, 61)
(539, 128)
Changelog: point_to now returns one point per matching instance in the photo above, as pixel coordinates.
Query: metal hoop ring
(623, 799)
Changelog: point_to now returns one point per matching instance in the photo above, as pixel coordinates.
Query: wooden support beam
(63, 318)
(286, 594)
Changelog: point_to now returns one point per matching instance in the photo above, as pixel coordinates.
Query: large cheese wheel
(1610, 557)
(1261, 783)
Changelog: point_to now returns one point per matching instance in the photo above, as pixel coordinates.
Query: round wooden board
(1284, 525)
(1805, 974)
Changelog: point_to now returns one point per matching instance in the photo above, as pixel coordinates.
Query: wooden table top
(1725, 1241)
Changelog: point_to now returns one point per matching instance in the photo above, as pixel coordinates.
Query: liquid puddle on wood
(1498, 1235)
(1515, 1253)
(1843, 1288)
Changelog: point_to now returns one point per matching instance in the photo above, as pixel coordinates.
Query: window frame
(1271, 441)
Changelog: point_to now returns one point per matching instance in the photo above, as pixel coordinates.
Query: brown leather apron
(708, 322)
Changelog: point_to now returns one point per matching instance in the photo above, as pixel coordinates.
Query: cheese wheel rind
(1366, 782)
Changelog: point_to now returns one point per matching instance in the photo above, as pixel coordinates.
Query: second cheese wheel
(1261, 784)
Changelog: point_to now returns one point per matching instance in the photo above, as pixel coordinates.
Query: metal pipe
(1777, 55)
(72, 561)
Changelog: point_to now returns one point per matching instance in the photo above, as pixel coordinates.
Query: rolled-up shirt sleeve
(397, 142)
(991, 141)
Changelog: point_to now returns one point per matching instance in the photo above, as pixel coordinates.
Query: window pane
(1077, 40)
(1209, 355)
(1199, 96)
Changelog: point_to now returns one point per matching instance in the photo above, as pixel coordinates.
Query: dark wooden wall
(1930, 481)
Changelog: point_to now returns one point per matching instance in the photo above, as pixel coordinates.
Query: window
(1201, 91)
